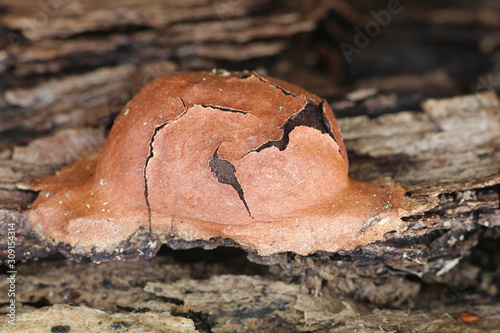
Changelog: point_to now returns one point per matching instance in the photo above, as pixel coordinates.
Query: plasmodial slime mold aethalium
(197, 156)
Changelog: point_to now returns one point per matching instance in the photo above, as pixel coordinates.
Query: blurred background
(67, 68)
(74, 63)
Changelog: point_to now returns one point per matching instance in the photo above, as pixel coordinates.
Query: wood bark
(417, 106)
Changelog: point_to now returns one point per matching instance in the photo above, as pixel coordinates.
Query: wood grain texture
(419, 106)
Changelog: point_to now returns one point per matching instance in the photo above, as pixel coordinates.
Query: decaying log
(207, 296)
(419, 109)
(448, 150)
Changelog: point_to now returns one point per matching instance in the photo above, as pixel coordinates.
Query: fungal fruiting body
(208, 155)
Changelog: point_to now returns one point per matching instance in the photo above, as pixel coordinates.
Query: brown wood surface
(418, 106)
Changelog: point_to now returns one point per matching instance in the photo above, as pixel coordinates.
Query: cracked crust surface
(200, 155)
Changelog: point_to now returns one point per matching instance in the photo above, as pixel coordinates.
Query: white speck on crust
(384, 221)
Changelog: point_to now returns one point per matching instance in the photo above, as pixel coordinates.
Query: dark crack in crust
(312, 115)
(225, 173)
(283, 90)
(225, 109)
(325, 125)
(232, 115)
(146, 187)
(150, 156)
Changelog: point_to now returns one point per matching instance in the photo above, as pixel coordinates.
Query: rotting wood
(472, 155)
(107, 61)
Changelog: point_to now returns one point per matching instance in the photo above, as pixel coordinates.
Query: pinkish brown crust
(199, 155)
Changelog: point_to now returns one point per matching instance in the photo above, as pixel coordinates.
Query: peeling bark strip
(224, 171)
